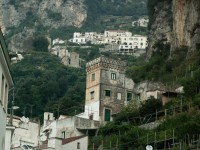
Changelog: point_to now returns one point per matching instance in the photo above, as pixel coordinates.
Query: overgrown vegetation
(99, 8)
(42, 81)
(125, 132)
(40, 44)
(55, 16)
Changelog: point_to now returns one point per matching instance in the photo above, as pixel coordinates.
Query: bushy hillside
(43, 83)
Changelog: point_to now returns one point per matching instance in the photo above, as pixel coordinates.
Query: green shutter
(107, 115)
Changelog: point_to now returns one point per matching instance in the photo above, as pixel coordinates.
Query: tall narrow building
(107, 88)
(5, 83)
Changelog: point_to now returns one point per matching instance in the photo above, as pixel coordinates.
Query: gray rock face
(176, 22)
(51, 14)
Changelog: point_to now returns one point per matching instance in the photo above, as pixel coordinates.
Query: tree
(41, 44)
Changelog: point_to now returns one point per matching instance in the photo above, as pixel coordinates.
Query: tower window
(129, 96)
(93, 76)
(113, 76)
(107, 93)
(92, 95)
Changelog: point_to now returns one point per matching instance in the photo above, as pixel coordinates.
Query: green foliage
(55, 16)
(86, 53)
(42, 81)
(150, 106)
(183, 124)
(99, 8)
(64, 32)
(155, 68)
(40, 44)
(138, 30)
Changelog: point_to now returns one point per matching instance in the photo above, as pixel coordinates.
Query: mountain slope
(176, 22)
(24, 20)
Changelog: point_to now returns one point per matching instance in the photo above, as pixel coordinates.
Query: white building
(73, 143)
(116, 33)
(57, 41)
(137, 41)
(16, 57)
(5, 83)
(79, 40)
(90, 34)
(142, 22)
(65, 132)
(26, 133)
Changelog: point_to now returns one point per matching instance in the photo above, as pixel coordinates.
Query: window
(92, 95)
(78, 145)
(119, 96)
(129, 96)
(107, 93)
(93, 76)
(141, 44)
(91, 117)
(107, 115)
(113, 76)
(63, 134)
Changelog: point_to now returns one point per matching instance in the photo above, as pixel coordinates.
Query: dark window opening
(107, 93)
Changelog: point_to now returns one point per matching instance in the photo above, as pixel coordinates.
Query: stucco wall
(2, 128)
(25, 133)
(73, 145)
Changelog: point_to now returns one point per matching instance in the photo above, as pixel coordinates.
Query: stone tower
(107, 88)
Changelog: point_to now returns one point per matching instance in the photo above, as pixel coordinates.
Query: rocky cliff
(28, 16)
(176, 22)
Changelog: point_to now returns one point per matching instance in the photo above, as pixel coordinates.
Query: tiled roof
(68, 140)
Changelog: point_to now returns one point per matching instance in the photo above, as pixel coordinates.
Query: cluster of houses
(107, 91)
(126, 42)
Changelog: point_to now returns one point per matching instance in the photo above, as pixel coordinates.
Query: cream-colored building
(6, 83)
(107, 89)
(70, 59)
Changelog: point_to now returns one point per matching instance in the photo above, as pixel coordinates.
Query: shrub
(40, 44)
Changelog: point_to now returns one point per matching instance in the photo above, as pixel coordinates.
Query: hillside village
(115, 41)
(107, 91)
(118, 89)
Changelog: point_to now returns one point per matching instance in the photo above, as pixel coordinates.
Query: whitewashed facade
(116, 33)
(6, 83)
(25, 132)
(63, 133)
(142, 22)
(137, 41)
